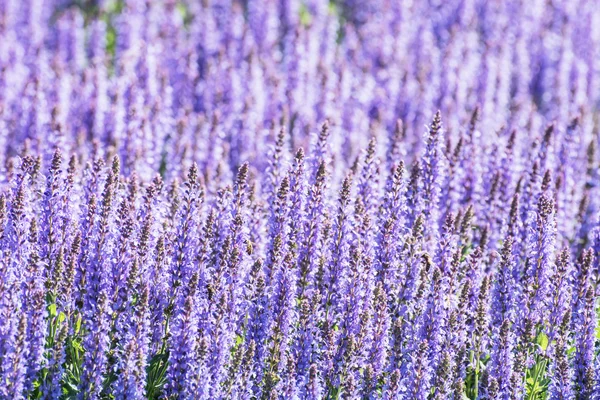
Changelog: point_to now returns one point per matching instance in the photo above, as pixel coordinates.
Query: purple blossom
(501, 363)
(561, 386)
(503, 296)
(585, 338)
(235, 199)
(433, 170)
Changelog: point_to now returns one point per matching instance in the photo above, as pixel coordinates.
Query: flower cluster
(299, 199)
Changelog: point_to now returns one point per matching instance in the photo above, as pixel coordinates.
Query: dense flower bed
(259, 199)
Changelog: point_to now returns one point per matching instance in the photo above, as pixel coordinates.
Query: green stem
(538, 368)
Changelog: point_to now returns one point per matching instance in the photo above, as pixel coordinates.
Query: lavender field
(299, 199)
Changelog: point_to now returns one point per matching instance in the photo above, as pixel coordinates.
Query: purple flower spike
(236, 199)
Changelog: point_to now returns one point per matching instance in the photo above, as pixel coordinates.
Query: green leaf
(77, 346)
(305, 17)
(78, 324)
(542, 340)
(52, 310)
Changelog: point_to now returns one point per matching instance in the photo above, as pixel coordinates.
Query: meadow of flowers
(299, 199)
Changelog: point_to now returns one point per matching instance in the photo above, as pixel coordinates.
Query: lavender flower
(418, 380)
(433, 169)
(234, 199)
(501, 364)
(539, 263)
(585, 339)
(562, 374)
(503, 297)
